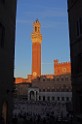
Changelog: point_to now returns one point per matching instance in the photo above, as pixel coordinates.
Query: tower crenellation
(61, 68)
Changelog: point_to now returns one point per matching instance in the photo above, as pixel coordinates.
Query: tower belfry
(36, 49)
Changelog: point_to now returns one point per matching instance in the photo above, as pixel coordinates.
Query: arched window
(58, 98)
(53, 98)
(62, 98)
(43, 90)
(67, 98)
(38, 29)
(35, 28)
(43, 98)
(32, 95)
(48, 98)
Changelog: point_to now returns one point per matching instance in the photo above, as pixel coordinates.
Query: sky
(53, 18)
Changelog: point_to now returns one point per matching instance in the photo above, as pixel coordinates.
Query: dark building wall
(60, 83)
(7, 46)
(75, 34)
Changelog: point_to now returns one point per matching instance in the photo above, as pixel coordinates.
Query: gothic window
(38, 29)
(35, 29)
(2, 33)
(39, 97)
(67, 98)
(53, 98)
(58, 98)
(43, 90)
(43, 98)
(48, 98)
(62, 98)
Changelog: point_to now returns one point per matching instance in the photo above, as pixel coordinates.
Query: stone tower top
(36, 35)
(36, 50)
(37, 21)
(36, 26)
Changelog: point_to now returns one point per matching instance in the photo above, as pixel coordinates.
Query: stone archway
(32, 95)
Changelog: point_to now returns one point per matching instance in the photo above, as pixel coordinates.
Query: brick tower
(36, 49)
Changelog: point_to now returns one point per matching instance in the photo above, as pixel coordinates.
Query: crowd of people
(46, 117)
(27, 118)
(40, 108)
(38, 112)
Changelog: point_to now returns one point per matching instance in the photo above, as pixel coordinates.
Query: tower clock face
(34, 74)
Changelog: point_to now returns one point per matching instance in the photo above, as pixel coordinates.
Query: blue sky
(52, 15)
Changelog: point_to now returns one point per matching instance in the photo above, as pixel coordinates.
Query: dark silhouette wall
(7, 47)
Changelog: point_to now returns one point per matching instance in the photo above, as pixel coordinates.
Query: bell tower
(36, 49)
